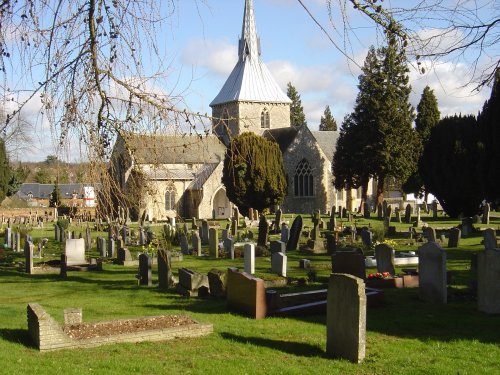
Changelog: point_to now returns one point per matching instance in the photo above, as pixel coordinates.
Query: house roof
(44, 190)
(282, 136)
(327, 141)
(250, 79)
(174, 149)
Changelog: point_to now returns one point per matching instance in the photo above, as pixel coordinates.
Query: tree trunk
(380, 190)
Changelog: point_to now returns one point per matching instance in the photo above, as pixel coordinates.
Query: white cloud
(218, 56)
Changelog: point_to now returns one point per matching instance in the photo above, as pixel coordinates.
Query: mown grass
(405, 336)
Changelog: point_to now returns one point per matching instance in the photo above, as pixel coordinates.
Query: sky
(201, 40)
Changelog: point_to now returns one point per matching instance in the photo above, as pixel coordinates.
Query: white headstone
(75, 251)
(279, 263)
(249, 251)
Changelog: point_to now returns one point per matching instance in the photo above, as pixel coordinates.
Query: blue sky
(200, 42)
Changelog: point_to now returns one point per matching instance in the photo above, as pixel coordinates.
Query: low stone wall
(48, 335)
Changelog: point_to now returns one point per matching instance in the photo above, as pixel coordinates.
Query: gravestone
(279, 263)
(165, 274)
(124, 233)
(28, 256)
(190, 282)
(56, 232)
(397, 213)
(367, 237)
(18, 242)
(277, 247)
(8, 237)
(331, 243)
(277, 220)
(250, 213)
(430, 234)
(488, 285)
(304, 264)
(295, 231)
(408, 214)
(124, 257)
(263, 231)
(346, 318)
(224, 234)
(454, 237)
(145, 265)
(204, 232)
(234, 227)
(229, 247)
(142, 237)
(316, 244)
(418, 222)
(486, 214)
(432, 273)
(384, 255)
(285, 233)
(490, 239)
(213, 247)
(184, 244)
(350, 262)
(332, 224)
(75, 252)
(88, 239)
(249, 261)
(434, 209)
(196, 242)
(246, 293)
(366, 210)
(103, 246)
(467, 227)
(111, 248)
(217, 282)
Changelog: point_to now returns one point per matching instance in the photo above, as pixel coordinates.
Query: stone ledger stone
(346, 318)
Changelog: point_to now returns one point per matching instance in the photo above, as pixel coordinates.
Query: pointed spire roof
(250, 79)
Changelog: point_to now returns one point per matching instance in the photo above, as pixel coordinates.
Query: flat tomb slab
(48, 335)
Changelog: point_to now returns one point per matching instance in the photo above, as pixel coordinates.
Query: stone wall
(48, 335)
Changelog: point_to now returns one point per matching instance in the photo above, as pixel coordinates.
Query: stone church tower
(250, 100)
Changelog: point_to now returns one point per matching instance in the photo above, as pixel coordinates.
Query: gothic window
(170, 197)
(303, 180)
(264, 119)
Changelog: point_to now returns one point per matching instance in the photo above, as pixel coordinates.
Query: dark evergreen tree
(18, 176)
(489, 121)
(396, 144)
(5, 171)
(428, 116)
(253, 173)
(297, 116)
(449, 165)
(327, 121)
(55, 196)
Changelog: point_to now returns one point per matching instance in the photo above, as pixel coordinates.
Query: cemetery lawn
(405, 336)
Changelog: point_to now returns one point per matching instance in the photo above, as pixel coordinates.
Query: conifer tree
(489, 121)
(5, 171)
(428, 116)
(297, 116)
(253, 173)
(327, 121)
(55, 196)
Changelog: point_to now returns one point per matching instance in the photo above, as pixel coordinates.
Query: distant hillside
(48, 171)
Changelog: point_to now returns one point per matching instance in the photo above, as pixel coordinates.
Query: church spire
(249, 46)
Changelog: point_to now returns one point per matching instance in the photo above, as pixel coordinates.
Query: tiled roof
(282, 136)
(327, 141)
(174, 149)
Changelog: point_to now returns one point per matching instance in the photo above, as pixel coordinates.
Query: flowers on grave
(379, 275)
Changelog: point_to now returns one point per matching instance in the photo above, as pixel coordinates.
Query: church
(184, 173)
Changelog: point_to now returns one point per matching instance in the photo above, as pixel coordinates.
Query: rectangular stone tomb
(311, 302)
(48, 335)
(246, 294)
(190, 281)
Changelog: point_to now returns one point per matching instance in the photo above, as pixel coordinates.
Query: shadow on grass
(18, 336)
(291, 347)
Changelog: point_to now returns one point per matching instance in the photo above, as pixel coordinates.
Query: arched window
(303, 180)
(264, 119)
(170, 197)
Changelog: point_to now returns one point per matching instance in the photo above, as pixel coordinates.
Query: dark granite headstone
(295, 231)
(145, 265)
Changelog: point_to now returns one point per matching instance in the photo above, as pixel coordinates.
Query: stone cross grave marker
(346, 318)
(432, 273)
